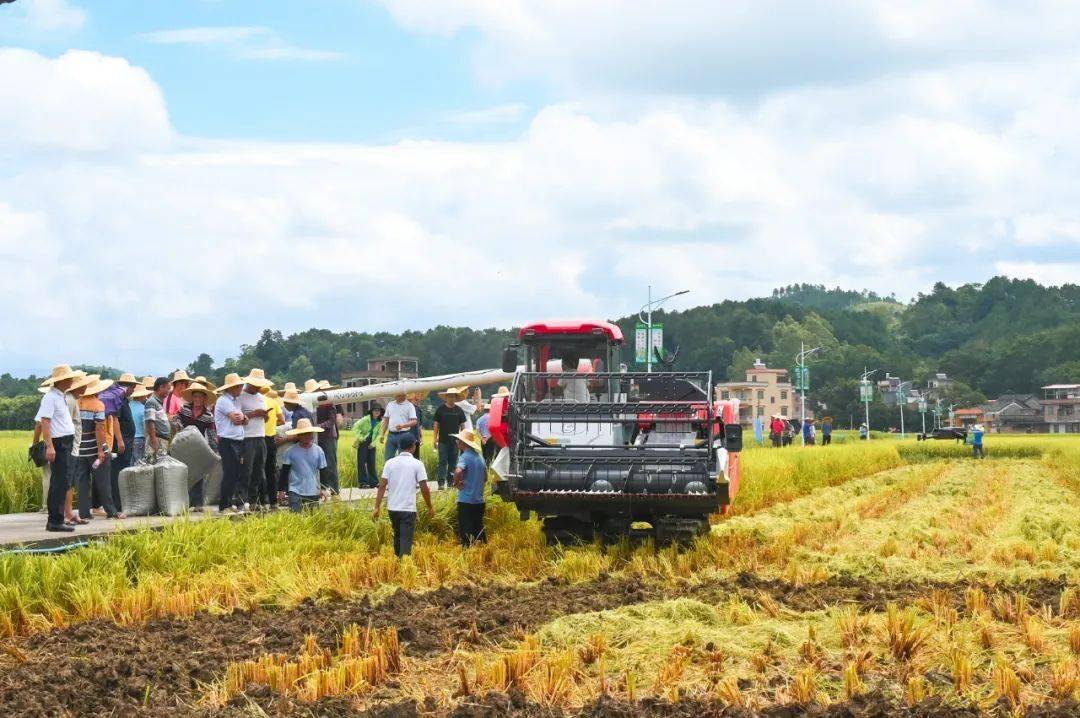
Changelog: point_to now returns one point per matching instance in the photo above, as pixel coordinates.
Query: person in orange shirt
(92, 455)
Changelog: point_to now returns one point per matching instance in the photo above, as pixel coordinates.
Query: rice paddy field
(863, 579)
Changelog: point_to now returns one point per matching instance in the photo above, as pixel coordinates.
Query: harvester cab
(595, 450)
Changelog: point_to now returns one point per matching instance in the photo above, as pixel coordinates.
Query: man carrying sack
(304, 471)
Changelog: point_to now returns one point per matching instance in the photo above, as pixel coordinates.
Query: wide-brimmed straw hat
(181, 375)
(61, 372)
(454, 392)
(97, 387)
(471, 438)
(231, 380)
(311, 386)
(324, 385)
(141, 392)
(291, 397)
(503, 391)
(304, 426)
(257, 378)
(289, 386)
(148, 383)
(206, 382)
(197, 387)
(127, 378)
(83, 381)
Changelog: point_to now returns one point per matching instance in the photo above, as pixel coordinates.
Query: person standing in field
(304, 470)
(470, 478)
(196, 412)
(326, 418)
(864, 432)
(482, 428)
(776, 430)
(137, 407)
(275, 417)
(826, 431)
(92, 458)
(417, 400)
(175, 400)
(977, 451)
(296, 409)
(449, 419)
(57, 431)
(252, 482)
(367, 431)
(398, 422)
(115, 399)
(229, 423)
(401, 477)
(158, 429)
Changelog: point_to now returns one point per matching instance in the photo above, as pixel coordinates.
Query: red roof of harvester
(573, 326)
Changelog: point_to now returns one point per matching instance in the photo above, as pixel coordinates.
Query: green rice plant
(20, 480)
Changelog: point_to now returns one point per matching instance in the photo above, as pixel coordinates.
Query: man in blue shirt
(977, 442)
(304, 470)
(470, 478)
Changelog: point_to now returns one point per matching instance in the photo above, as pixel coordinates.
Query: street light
(866, 393)
(647, 321)
(800, 367)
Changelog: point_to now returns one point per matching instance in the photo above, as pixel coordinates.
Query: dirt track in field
(158, 668)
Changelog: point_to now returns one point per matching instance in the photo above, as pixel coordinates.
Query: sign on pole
(641, 341)
(922, 406)
(866, 392)
(657, 338)
(802, 378)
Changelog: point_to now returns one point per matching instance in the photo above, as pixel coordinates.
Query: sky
(177, 175)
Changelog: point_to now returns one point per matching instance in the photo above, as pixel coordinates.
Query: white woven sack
(171, 482)
(137, 493)
(212, 485)
(190, 448)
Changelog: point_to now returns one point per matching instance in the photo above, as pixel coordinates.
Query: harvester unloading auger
(595, 452)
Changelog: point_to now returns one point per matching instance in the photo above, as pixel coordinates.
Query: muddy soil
(158, 668)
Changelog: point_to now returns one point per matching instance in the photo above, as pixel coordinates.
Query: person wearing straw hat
(175, 401)
(208, 384)
(158, 429)
(483, 424)
(229, 423)
(92, 455)
(328, 419)
(253, 472)
(137, 407)
(304, 470)
(977, 451)
(57, 431)
(470, 478)
(275, 417)
(448, 419)
(115, 399)
(285, 410)
(196, 412)
(401, 477)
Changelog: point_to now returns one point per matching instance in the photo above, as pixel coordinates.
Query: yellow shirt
(273, 410)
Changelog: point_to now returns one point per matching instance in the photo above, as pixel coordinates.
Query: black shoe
(62, 528)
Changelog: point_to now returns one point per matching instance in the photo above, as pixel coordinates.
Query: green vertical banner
(641, 341)
(802, 378)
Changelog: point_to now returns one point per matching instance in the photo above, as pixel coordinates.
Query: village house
(764, 392)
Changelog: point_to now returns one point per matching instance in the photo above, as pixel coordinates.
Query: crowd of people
(782, 431)
(275, 451)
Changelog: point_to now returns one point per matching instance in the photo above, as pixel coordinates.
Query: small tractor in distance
(596, 451)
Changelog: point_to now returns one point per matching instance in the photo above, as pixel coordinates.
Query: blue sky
(178, 175)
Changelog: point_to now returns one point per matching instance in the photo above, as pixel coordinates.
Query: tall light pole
(901, 399)
(647, 321)
(800, 367)
(866, 393)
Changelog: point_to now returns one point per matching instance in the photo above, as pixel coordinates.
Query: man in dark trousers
(448, 420)
(401, 477)
(470, 478)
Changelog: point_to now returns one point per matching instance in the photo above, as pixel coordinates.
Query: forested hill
(1001, 336)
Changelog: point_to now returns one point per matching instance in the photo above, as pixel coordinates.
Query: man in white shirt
(398, 421)
(252, 484)
(57, 431)
(401, 477)
(229, 423)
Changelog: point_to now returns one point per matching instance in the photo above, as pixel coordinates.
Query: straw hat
(148, 383)
(454, 392)
(141, 392)
(291, 397)
(197, 387)
(257, 378)
(324, 385)
(206, 382)
(304, 427)
(84, 381)
(97, 387)
(289, 386)
(127, 378)
(311, 386)
(61, 372)
(471, 438)
(503, 391)
(231, 380)
(180, 375)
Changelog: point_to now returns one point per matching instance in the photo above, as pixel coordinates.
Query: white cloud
(41, 17)
(246, 42)
(496, 115)
(887, 183)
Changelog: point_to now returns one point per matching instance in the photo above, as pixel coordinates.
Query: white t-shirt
(256, 427)
(54, 407)
(403, 475)
(399, 413)
(469, 408)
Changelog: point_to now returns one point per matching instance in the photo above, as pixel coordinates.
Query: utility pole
(804, 379)
(647, 321)
(866, 393)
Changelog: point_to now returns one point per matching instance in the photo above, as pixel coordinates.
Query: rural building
(379, 370)
(1015, 413)
(1061, 408)
(764, 393)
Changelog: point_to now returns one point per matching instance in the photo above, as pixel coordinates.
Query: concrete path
(28, 530)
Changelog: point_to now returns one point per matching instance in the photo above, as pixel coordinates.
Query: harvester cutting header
(595, 450)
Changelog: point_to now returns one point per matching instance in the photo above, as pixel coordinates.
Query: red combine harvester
(598, 452)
